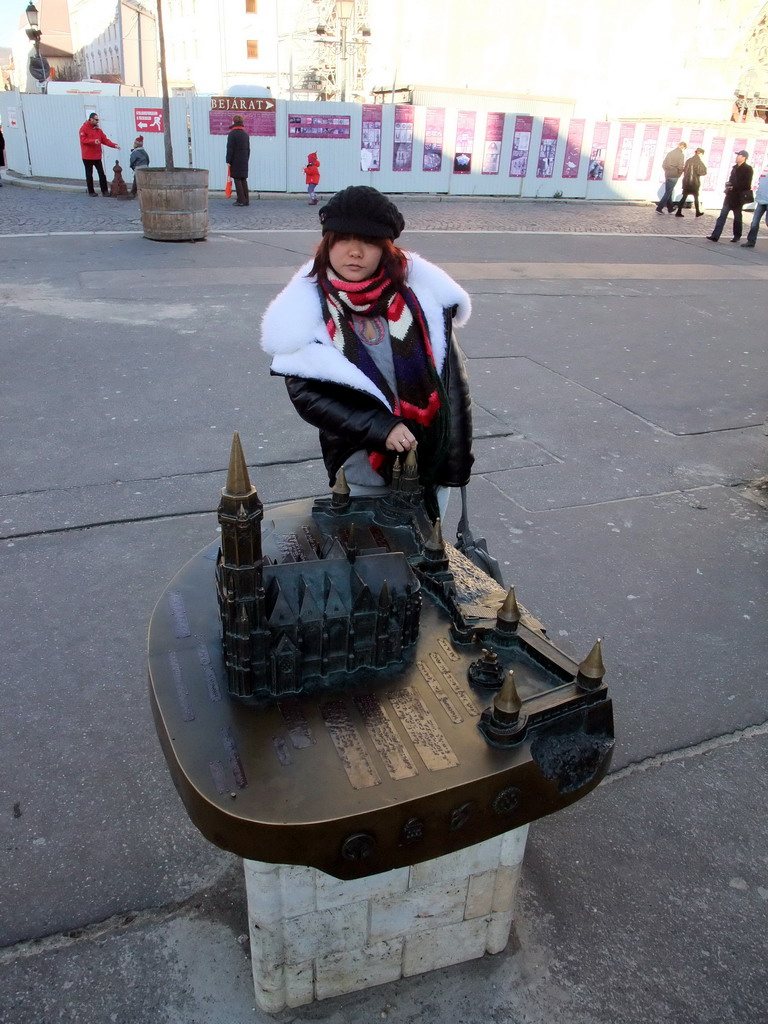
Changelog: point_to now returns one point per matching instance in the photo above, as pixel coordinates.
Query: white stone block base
(313, 936)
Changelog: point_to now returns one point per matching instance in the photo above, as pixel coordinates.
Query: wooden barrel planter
(173, 204)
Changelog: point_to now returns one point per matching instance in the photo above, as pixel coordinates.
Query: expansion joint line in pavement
(119, 923)
(687, 753)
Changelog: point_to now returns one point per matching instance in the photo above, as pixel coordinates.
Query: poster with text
(433, 139)
(674, 138)
(149, 119)
(545, 165)
(624, 151)
(572, 158)
(758, 158)
(521, 145)
(402, 148)
(494, 135)
(696, 138)
(465, 141)
(259, 117)
(370, 138)
(647, 152)
(736, 145)
(713, 159)
(596, 166)
(318, 126)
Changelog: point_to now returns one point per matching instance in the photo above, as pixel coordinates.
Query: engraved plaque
(211, 682)
(349, 745)
(235, 761)
(396, 758)
(422, 729)
(296, 723)
(455, 685)
(282, 751)
(179, 613)
(187, 713)
(439, 692)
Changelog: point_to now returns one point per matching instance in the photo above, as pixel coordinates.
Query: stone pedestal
(314, 936)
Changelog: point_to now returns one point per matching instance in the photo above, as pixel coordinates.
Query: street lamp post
(40, 71)
(344, 11)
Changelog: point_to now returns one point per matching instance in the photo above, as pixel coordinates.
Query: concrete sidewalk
(619, 390)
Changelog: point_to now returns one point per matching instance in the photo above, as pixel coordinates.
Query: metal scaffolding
(328, 51)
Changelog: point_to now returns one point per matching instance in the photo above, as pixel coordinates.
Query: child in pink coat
(312, 176)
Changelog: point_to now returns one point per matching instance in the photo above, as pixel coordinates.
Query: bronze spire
(238, 481)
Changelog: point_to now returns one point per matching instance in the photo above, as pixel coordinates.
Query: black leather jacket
(349, 420)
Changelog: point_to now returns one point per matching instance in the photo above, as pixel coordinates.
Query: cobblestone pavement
(27, 209)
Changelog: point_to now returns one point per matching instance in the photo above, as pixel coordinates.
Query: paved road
(619, 395)
(28, 209)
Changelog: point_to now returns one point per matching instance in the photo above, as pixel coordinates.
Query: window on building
(251, 7)
(253, 49)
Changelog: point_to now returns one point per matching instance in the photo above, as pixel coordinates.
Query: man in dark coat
(693, 172)
(736, 190)
(238, 154)
(672, 165)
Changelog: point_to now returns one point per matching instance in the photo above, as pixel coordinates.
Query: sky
(9, 19)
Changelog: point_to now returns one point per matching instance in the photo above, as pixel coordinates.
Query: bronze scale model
(339, 687)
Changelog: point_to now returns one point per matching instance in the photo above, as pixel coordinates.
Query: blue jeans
(761, 210)
(717, 230)
(666, 199)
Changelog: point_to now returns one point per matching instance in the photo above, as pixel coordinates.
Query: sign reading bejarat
(259, 114)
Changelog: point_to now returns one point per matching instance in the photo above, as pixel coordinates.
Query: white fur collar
(293, 332)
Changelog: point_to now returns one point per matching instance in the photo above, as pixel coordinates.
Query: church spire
(238, 482)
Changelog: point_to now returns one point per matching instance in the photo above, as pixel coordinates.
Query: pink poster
(494, 134)
(465, 141)
(572, 157)
(647, 152)
(758, 156)
(370, 138)
(736, 145)
(545, 165)
(713, 159)
(596, 168)
(624, 151)
(433, 139)
(696, 138)
(402, 147)
(149, 119)
(674, 138)
(259, 115)
(521, 144)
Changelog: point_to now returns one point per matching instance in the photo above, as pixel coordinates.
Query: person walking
(693, 172)
(739, 183)
(238, 155)
(312, 177)
(2, 152)
(673, 165)
(92, 138)
(363, 335)
(761, 210)
(138, 158)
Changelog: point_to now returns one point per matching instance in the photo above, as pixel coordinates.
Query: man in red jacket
(91, 140)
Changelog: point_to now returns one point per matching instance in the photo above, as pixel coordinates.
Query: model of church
(323, 601)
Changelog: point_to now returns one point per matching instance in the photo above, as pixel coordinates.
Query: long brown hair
(393, 260)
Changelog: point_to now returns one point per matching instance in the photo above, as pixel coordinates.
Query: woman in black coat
(363, 335)
(238, 154)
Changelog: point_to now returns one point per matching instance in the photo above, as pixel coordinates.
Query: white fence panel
(42, 140)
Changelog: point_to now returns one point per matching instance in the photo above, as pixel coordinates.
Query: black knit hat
(362, 210)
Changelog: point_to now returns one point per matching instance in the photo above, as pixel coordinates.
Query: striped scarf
(419, 396)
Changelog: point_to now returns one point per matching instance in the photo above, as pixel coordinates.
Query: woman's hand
(400, 439)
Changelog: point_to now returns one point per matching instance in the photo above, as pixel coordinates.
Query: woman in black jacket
(363, 335)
